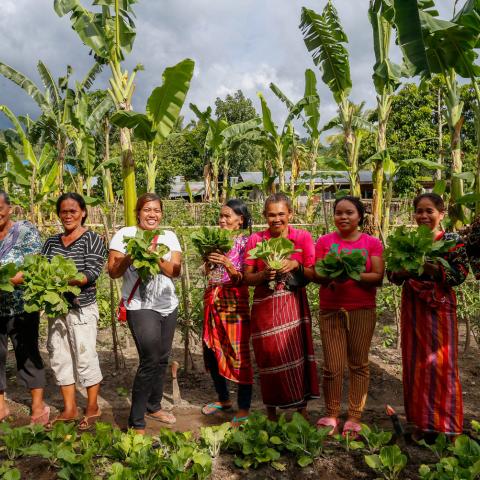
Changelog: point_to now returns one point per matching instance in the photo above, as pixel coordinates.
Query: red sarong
(283, 346)
(431, 382)
(226, 330)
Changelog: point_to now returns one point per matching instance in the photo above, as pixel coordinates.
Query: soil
(197, 389)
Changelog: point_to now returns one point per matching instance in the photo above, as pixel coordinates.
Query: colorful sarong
(431, 382)
(226, 330)
(283, 346)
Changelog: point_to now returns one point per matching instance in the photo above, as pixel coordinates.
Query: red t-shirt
(300, 238)
(350, 295)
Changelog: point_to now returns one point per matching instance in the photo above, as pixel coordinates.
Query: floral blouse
(27, 243)
(472, 242)
(219, 275)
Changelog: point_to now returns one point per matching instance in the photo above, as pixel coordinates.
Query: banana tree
(386, 79)
(110, 34)
(162, 112)
(431, 45)
(324, 38)
(35, 176)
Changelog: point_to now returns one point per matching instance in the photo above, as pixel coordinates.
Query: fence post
(187, 302)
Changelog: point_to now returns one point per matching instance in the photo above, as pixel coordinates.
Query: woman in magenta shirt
(347, 315)
(280, 318)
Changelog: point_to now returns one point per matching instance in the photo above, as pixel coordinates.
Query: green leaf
(304, 461)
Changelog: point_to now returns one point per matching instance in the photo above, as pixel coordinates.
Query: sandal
(88, 421)
(216, 407)
(41, 419)
(5, 417)
(237, 421)
(49, 425)
(166, 417)
(352, 429)
(331, 422)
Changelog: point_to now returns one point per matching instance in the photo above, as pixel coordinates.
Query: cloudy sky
(236, 44)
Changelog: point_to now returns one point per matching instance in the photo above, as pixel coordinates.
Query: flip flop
(331, 422)
(41, 419)
(237, 421)
(49, 425)
(88, 421)
(168, 418)
(352, 429)
(217, 408)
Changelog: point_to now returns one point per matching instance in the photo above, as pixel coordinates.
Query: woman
(18, 239)
(72, 338)
(226, 327)
(280, 318)
(472, 244)
(347, 315)
(429, 334)
(152, 315)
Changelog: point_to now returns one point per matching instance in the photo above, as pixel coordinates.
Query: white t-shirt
(159, 293)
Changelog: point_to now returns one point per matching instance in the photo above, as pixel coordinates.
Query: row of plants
(115, 455)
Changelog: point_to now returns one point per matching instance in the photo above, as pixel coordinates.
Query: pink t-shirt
(300, 238)
(350, 295)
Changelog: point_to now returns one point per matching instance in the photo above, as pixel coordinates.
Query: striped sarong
(283, 346)
(431, 382)
(226, 330)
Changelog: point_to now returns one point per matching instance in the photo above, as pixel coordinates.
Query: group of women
(278, 325)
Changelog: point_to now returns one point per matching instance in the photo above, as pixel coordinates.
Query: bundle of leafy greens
(209, 240)
(409, 249)
(342, 266)
(7, 271)
(45, 284)
(273, 252)
(145, 259)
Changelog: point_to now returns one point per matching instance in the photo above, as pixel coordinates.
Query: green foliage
(46, 284)
(439, 448)
(8, 472)
(7, 272)
(273, 251)
(409, 249)
(214, 437)
(374, 438)
(342, 266)
(389, 462)
(145, 258)
(208, 240)
(349, 442)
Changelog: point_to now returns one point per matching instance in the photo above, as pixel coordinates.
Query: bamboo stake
(187, 303)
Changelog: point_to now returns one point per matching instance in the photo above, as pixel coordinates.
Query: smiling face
(229, 220)
(346, 216)
(277, 215)
(428, 214)
(150, 215)
(71, 214)
(5, 212)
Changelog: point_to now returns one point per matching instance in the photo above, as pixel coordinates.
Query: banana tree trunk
(215, 172)
(386, 211)
(226, 172)
(295, 170)
(106, 174)
(128, 175)
(207, 176)
(281, 171)
(61, 151)
(151, 168)
(438, 173)
(311, 185)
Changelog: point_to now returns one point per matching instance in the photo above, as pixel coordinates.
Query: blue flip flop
(237, 421)
(218, 408)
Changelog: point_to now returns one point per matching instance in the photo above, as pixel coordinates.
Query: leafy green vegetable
(342, 266)
(46, 285)
(389, 462)
(145, 260)
(208, 240)
(7, 271)
(409, 249)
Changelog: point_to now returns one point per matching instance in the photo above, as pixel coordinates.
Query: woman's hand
(288, 266)
(218, 259)
(78, 283)
(431, 269)
(17, 279)
(269, 274)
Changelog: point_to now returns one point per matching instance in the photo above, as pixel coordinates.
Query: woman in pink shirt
(347, 315)
(280, 318)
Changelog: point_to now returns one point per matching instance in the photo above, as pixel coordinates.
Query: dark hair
(436, 199)
(145, 198)
(5, 197)
(73, 196)
(358, 205)
(277, 198)
(240, 208)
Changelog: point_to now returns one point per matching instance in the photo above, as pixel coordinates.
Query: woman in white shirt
(151, 312)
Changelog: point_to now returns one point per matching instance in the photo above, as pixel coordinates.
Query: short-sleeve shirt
(27, 242)
(159, 293)
(350, 295)
(301, 240)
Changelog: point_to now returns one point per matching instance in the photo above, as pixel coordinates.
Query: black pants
(244, 397)
(153, 335)
(23, 332)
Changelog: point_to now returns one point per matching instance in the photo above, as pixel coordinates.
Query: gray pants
(23, 332)
(71, 344)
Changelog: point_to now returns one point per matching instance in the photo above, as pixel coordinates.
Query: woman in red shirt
(280, 318)
(347, 315)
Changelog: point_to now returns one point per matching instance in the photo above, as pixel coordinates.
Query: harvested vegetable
(409, 249)
(7, 271)
(145, 259)
(209, 240)
(342, 266)
(45, 284)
